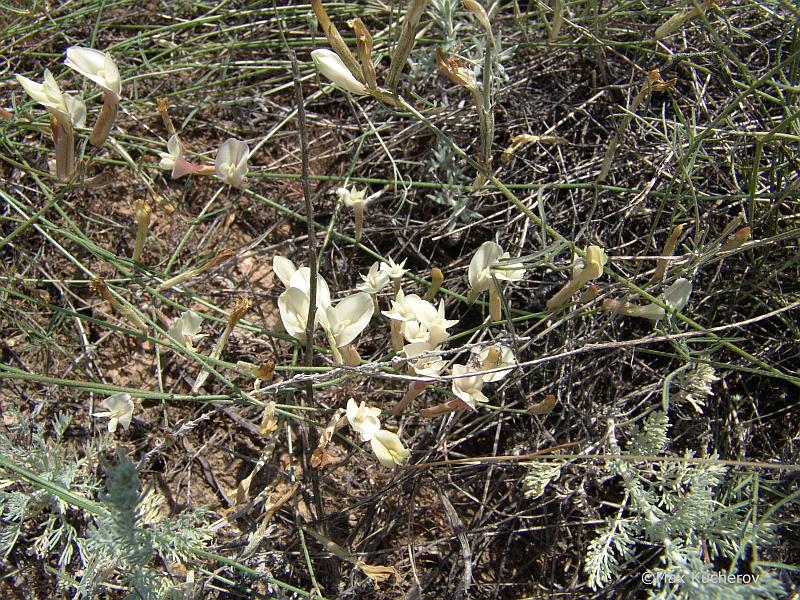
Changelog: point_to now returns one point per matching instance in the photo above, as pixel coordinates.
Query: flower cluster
(230, 165)
(68, 111)
(386, 445)
(342, 322)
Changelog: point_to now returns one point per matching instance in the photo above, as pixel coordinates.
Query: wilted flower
(467, 386)
(676, 296)
(592, 266)
(388, 448)
(186, 329)
(363, 419)
(586, 269)
(120, 411)
(174, 160)
(331, 66)
(231, 162)
(495, 357)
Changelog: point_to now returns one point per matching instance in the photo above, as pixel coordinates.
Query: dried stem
(312, 264)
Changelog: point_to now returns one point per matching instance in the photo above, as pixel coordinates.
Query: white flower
(435, 320)
(394, 270)
(430, 366)
(403, 307)
(48, 94)
(467, 386)
(300, 278)
(480, 267)
(284, 269)
(388, 448)
(415, 332)
(363, 419)
(331, 66)
(495, 357)
(293, 307)
(348, 318)
(76, 109)
(97, 66)
(591, 267)
(374, 281)
(173, 159)
(505, 271)
(352, 197)
(186, 329)
(231, 162)
(490, 259)
(120, 411)
(675, 296)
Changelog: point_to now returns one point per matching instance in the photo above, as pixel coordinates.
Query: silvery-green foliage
(442, 13)
(677, 507)
(540, 474)
(687, 577)
(56, 524)
(128, 544)
(448, 168)
(121, 544)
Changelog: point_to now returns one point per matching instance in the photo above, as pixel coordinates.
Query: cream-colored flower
(591, 267)
(300, 278)
(231, 162)
(374, 281)
(508, 271)
(676, 296)
(173, 160)
(353, 197)
(430, 366)
(48, 94)
(186, 329)
(388, 448)
(97, 66)
(490, 260)
(480, 267)
(363, 419)
(331, 66)
(348, 318)
(393, 269)
(467, 386)
(120, 411)
(76, 109)
(402, 307)
(415, 332)
(293, 308)
(284, 269)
